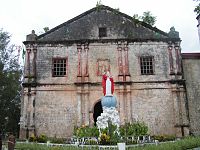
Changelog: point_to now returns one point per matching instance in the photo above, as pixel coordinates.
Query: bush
(104, 139)
(57, 140)
(32, 138)
(163, 138)
(42, 138)
(133, 129)
(86, 131)
(91, 142)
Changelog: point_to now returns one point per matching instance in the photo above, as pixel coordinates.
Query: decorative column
(79, 73)
(25, 107)
(28, 50)
(179, 110)
(79, 106)
(129, 103)
(82, 109)
(86, 99)
(34, 60)
(31, 111)
(123, 62)
(120, 63)
(171, 64)
(121, 104)
(126, 60)
(86, 74)
(178, 62)
(86, 48)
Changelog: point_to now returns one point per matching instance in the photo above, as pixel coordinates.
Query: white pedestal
(121, 146)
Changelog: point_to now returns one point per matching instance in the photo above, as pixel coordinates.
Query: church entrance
(97, 111)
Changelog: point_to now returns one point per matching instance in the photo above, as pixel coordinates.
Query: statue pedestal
(109, 114)
(121, 146)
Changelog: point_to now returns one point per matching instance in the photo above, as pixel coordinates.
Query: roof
(119, 25)
(190, 55)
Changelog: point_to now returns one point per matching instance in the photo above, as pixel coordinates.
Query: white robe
(108, 87)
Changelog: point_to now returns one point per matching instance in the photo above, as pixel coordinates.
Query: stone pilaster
(171, 62)
(121, 104)
(27, 65)
(79, 71)
(79, 106)
(86, 49)
(178, 59)
(34, 59)
(120, 63)
(123, 61)
(87, 103)
(180, 112)
(129, 103)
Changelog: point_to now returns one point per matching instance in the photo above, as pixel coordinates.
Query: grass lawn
(183, 144)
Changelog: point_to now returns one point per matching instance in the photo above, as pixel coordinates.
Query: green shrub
(130, 142)
(32, 138)
(129, 129)
(91, 142)
(86, 131)
(133, 129)
(163, 138)
(42, 138)
(57, 140)
(104, 139)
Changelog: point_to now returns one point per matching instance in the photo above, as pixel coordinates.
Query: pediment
(118, 26)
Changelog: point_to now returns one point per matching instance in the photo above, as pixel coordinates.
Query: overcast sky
(19, 17)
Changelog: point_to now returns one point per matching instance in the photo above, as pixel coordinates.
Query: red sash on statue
(104, 78)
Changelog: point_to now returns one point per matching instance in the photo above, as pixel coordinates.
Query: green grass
(184, 144)
(35, 146)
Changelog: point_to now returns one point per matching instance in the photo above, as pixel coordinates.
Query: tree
(197, 8)
(147, 18)
(46, 29)
(10, 85)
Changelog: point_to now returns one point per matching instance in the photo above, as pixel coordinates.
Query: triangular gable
(119, 26)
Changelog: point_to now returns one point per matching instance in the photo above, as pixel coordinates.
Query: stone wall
(64, 102)
(191, 68)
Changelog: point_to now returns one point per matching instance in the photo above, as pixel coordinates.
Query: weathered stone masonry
(54, 105)
(191, 68)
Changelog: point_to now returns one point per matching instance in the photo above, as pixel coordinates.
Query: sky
(20, 17)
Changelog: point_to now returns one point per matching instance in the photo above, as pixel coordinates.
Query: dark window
(59, 67)
(146, 65)
(33, 115)
(34, 103)
(102, 32)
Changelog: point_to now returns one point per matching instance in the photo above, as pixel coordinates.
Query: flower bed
(182, 144)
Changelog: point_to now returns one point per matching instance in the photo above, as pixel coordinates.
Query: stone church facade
(64, 67)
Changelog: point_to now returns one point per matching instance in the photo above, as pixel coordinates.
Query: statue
(109, 103)
(107, 84)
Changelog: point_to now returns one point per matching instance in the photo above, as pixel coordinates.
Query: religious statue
(107, 84)
(108, 103)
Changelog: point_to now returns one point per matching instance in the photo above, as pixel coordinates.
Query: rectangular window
(59, 67)
(146, 65)
(102, 32)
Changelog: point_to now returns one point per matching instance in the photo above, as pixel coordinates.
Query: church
(64, 68)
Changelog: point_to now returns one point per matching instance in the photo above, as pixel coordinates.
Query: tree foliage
(46, 29)
(10, 85)
(197, 8)
(147, 17)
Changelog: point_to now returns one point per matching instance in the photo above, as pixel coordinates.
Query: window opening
(146, 64)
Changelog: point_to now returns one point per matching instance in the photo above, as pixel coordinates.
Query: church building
(64, 67)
